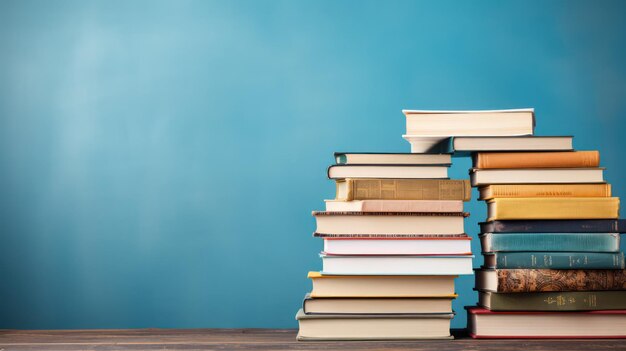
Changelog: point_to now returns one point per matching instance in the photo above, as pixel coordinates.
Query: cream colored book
(368, 158)
(389, 223)
(515, 143)
(482, 177)
(553, 208)
(382, 285)
(379, 305)
(388, 171)
(374, 326)
(394, 206)
(396, 264)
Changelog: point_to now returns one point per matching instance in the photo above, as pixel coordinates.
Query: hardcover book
(371, 158)
(481, 177)
(515, 143)
(541, 280)
(554, 260)
(553, 301)
(578, 242)
(564, 159)
(379, 305)
(469, 123)
(389, 223)
(396, 265)
(553, 208)
(483, 323)
(544, 190)
(394, 206)
(399, 246)
(555, 226)
(382, 285)
(374, 326)
(402, 189)
(388, 171)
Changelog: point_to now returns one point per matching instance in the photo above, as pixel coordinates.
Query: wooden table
(259, 339)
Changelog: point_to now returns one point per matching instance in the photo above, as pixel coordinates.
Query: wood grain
(260, 339)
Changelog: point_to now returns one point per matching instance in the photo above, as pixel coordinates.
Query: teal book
(569, 242)
(554, 260)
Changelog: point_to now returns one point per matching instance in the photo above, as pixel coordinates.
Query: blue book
(554, 260)
(569, 242)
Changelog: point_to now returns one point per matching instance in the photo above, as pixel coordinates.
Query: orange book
(545, 190)
(563, 159)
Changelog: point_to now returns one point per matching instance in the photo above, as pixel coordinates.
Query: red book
(483, 323)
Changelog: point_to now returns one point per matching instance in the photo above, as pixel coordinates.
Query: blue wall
(159, 159)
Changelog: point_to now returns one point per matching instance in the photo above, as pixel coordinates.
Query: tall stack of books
(394, 241)
(552, 263)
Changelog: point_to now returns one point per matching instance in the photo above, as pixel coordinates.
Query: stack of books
(551, 245)
(394, 241)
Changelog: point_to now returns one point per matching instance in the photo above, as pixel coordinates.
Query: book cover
(555, 226)
(553, 301)
(553, 208)
(554, 260)
(560, 159)
(588, 242)
(544, 280)
(402, 189)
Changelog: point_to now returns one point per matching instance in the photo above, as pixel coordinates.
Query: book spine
(559, 260)
(581, 242)
(546, 190)
(544, 280)
(567, 159)
(555, 226)
(559, 301)
(408, 189)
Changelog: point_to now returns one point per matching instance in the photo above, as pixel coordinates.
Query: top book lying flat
(427, 129)
(384, 158)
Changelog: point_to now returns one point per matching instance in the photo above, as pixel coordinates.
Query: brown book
(562, 159)
(402, 189)
(540, 280)
(544, 190)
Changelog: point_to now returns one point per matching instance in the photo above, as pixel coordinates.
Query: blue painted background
(159, 159)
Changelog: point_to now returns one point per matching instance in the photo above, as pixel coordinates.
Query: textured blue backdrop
(160, 159)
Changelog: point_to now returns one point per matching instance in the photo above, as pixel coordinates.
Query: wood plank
(260, 339)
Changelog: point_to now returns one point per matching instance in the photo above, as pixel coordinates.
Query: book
(560, 159)
(371, 158)
(389, 223)
(373, 326)
(382, 286)
(402, 189)
(553, 301)
(555, 226)
(483, 323)
(469, 123)
(554, 260)
(379, 305)
(388, 171)
(540, 280)
(396, 265)
(394, 206)
(553, 208)
(515, 143)
(397, 246)
(544, 190)
(577, 242)
(480, 177)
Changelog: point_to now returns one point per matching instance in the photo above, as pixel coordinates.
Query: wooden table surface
(260, 339)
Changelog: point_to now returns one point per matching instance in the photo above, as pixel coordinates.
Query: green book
(554, 260)
(570, 242)
(553, 301)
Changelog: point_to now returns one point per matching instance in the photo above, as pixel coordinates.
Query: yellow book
(545, 190)
(402, 189)
(553, 208)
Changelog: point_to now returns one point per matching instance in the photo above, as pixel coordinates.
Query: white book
(396, 265)
(517, 143)
(480, 177)
(366, 158)
(388, 171)
(394, 206)
(412, 246)
(391, 223)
